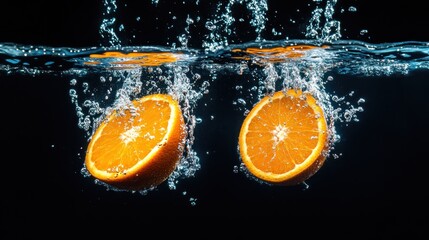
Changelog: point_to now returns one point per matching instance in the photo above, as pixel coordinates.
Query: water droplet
(363, 32)
(73, 82)
(352, 9)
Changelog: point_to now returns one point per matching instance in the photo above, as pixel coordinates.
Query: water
(373, 94)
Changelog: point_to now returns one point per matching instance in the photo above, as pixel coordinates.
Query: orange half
(284, 138)
(140, 146)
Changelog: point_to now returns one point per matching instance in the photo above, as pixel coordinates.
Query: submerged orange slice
(283, 139)
(140, 146)
(146, 59)
(276, 54)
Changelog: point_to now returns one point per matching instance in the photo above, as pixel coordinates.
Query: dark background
(377, 185)
(77, 23)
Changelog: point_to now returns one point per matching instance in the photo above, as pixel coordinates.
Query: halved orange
(138, 147)
(284, 138)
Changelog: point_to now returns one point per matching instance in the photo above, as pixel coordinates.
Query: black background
(76, 23)
(377, 186)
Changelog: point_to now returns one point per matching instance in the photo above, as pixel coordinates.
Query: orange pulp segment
(140, 146)
(284, 137)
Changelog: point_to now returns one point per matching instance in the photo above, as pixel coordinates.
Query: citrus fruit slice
(140, 146)
(275, 54)
(284, 137)
(139, 58)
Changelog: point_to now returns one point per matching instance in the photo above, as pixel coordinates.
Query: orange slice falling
(284, 137)
(138, 147)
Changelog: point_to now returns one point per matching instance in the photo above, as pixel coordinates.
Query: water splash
(322, 26)
(108, 26)
(125, 75)
(220, 27)
(93, 101)
(225, 26)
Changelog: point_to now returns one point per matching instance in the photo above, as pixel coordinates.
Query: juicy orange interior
(282, 134)
(128, 139)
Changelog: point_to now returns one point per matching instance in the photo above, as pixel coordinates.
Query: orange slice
(276, 54)
(140, 146)
(283, 140)
(139, 58)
